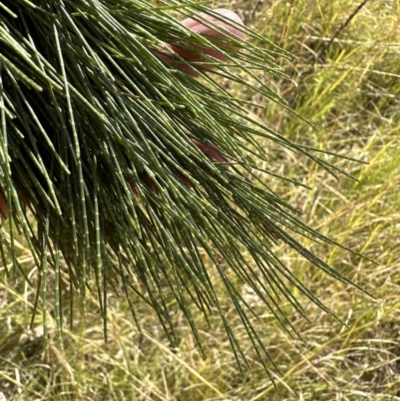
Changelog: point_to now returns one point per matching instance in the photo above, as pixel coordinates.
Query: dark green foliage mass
(99, 140)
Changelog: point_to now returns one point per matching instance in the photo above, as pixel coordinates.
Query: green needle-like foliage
(102, 170)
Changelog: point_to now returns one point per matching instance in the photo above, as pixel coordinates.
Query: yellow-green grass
(350, 90)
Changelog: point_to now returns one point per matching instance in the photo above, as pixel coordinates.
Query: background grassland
(347, 71)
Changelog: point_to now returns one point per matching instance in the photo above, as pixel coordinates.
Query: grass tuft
(349, 89)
